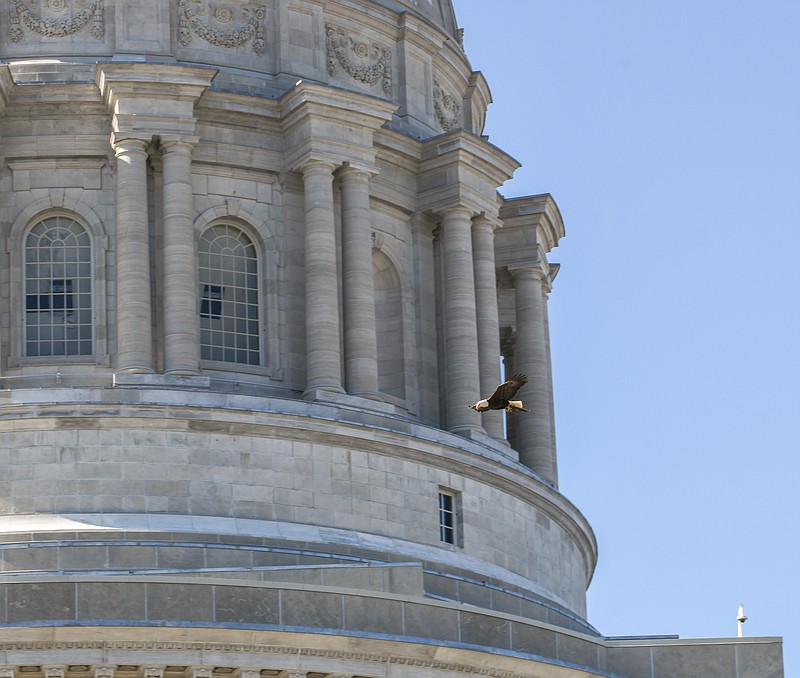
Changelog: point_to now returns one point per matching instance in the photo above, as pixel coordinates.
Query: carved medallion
(224, 25)
(447, 108)
(367, 62)
(58, 18)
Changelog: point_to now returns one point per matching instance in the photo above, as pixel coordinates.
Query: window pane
(58, 300)
(226, 254)
(447, 518)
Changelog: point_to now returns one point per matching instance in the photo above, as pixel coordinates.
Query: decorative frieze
(62, 18)
(381, 661)
(210, 21)
(367, 62)
(447, 108)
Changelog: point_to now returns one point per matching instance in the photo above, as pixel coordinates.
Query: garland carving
(191, 24)
(56, 28)
(447, 108)
(369, 62)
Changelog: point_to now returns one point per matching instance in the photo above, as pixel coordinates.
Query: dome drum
(256, 270)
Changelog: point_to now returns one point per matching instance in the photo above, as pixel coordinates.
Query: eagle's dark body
(501, 399)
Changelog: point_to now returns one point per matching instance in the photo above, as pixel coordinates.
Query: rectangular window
(211, 303)
(448, 517)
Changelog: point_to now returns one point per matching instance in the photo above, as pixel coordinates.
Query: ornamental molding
(64, 18)
(367, 62)
(447, 108)
(151, 670)
(208, 20)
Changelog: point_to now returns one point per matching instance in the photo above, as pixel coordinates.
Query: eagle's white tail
(515, 405)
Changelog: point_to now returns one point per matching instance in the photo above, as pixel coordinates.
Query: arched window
(58, 289)
(229, 305)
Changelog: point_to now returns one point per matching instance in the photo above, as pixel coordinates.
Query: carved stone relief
(56, 19)
(367, 62)
(224, 25)
(446, 107)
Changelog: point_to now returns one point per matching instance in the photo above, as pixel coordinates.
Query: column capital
(483, 220)
(351, 172)
(130, 143)
(519, 269)
(539, 270)
(318, 165)
(455, 211)
(178, 142)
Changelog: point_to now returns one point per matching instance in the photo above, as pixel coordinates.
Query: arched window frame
(269, 260)
(216, 298)
(394, 253)
(16, 244)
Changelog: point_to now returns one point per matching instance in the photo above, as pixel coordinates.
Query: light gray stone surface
(197, 509)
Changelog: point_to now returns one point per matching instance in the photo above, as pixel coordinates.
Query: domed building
(255, 268)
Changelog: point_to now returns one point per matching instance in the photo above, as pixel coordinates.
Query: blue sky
(669, 135)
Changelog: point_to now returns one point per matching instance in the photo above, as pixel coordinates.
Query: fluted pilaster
(181, 340)
(358, 286)
(535, 439)
(134, 304)
(323, 349)
(487, 318)
(460, 326)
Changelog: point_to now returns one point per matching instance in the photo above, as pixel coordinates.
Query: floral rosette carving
(194, 16)
(56, 26)
(366, 62)
(447, 108)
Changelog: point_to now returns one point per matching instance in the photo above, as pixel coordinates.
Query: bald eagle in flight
(501, 398)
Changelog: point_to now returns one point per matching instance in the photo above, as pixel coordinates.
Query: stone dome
(438, 12)
(407, 52)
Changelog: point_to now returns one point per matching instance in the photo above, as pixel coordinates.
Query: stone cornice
(131, 651)
(139, 648)
(462, 169)
(331, 125)
(532, 227)
(540, 210)
(152, 99)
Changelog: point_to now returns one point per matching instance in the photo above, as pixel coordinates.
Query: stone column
(323, 350)
(181, 340)
(549, 362)
(487, 318)
(134, 303)
(425, 338)
(460, 323)
(358, 286)
(534, 430)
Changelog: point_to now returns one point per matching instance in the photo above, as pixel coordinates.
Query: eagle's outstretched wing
(507, 390)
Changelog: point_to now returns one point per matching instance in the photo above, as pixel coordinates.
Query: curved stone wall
(341, 471)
